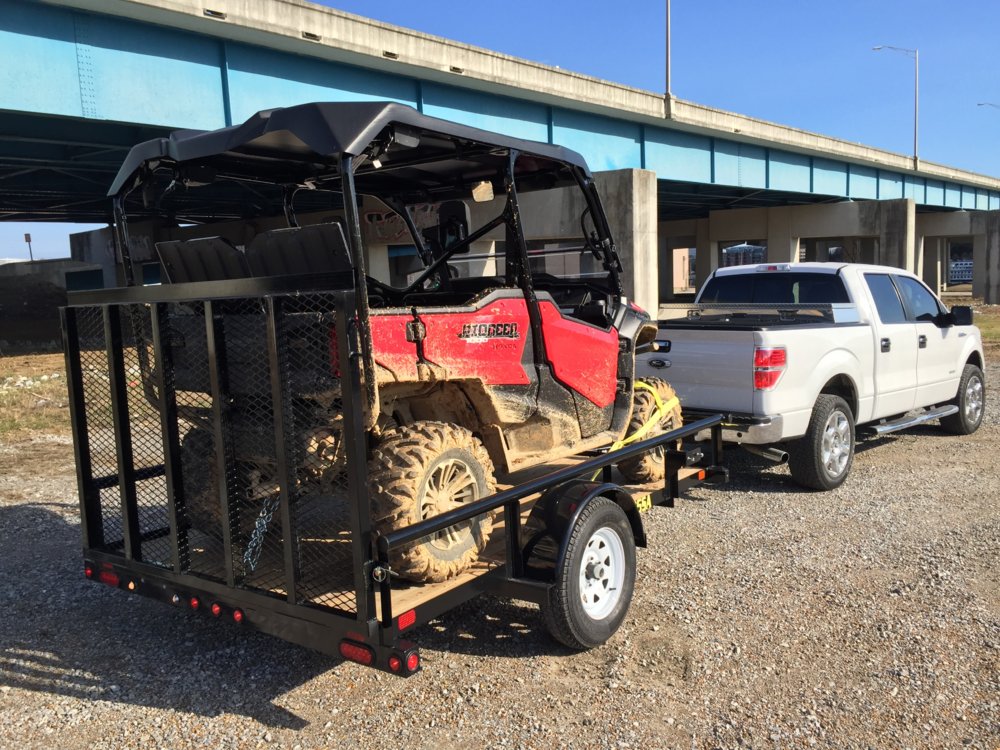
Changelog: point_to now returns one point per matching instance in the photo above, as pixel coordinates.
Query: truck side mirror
(961, 315)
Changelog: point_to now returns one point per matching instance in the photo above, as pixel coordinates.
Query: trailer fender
(555, 514)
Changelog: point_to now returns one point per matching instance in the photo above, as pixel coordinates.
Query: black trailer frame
(125, 353)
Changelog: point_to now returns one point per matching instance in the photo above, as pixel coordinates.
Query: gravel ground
(764, 617)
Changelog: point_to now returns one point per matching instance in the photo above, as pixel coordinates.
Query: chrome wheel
(450, 485)
(836, 445)
(973, 401)
(602, 572)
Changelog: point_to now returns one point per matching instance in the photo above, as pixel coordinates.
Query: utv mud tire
(970, 400)
(422, 470)
(650, 467)
(594, 582)
(822, 458)
(201, 484)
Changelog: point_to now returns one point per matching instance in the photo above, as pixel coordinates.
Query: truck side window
(919, 301)
(890, 309)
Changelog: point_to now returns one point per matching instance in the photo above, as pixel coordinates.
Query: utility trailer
(276, 438)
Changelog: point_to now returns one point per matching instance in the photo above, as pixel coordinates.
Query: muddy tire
(422, 470)
(650, 467)
(201, 483)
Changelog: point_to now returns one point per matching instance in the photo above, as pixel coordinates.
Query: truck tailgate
(713, 372)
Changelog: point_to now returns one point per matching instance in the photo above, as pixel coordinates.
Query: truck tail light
(769, 364)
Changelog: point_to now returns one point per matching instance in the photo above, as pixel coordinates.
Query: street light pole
(915, 54)
(668, 51)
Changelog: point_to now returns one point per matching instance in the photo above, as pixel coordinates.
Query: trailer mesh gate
(214, 440)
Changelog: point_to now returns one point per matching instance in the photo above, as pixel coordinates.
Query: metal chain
(252, 554)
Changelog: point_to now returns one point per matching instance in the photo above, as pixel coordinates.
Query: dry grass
(988, 319)
(41, 407)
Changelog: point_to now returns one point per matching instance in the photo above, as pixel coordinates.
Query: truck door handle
(886, 345)
(922, 341)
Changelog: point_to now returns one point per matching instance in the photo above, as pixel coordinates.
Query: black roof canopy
(292, 144)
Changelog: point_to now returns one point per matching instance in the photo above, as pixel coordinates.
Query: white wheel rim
(450, 485)
(836, 446)
(602, 573)
(973, 400)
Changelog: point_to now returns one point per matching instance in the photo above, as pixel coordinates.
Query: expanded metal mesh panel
(142, 400)
(100, 420)
(320, 503)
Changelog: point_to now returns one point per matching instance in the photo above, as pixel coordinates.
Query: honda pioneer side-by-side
(389, 365)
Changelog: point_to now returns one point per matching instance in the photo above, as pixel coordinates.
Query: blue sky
(805, 64)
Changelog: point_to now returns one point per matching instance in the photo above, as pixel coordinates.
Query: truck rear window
(779, 287)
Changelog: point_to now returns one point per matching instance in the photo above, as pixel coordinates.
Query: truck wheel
(201, 487)
(971, 399)
(822, 458)
(650, 467)
(595, 579)
(422, 470)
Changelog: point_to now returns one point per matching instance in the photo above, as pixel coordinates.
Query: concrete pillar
(933, 252)
(979, 250)
(897, 221)
(918, 255)
(707, 258)
(629, 197)
(666, 270)
(991, 277)
(782, 244)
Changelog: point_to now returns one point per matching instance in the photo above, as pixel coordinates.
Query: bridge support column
(986, 257)
(629, 197)
(707, 257)
(934, 249)
(897, 230)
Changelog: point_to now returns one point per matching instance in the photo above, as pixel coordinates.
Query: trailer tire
(971, 402)
(651, 466)
(822, 458)
(415, 473)
(595, 578)
(200, 479)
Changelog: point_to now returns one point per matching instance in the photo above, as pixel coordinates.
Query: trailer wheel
(971, 399)
(822, 458)
(650, 467)
(201, 494)
(422, 470)
(594, 579)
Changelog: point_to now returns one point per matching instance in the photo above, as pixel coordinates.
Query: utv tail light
(109, 577)
(238, 616)
(357, 652)
(195, 602)
(216, 609)
(768, 366)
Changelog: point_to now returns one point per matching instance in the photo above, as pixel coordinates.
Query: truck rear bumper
(747, 428)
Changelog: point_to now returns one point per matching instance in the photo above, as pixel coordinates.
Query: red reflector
(237, 616)
(766, 379)
(109, 577)
(216, 609)
(769, 357)
(406, 619)
(195, 603)
(395, 663)
(88, 571)
(701, 475)
(412, 661)
(356, 652)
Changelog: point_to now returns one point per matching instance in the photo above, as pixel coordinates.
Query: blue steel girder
(103, 70)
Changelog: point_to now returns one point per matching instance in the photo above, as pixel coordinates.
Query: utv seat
(293, 251)
(201, 259)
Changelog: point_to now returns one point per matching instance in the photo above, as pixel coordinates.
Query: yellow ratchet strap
(662, 409)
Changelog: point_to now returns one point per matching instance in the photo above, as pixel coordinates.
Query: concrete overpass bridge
(82, 80)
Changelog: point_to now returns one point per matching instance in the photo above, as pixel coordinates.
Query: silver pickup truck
(799, 355)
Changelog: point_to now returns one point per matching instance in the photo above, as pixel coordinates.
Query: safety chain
(252, 554)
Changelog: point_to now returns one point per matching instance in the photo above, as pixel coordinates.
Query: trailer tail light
(216, 609)
(407, 619)
(109, 577)
(238, 616)
(357, 652)
(395, 663)
(88, 571)
(769, 364)
(195, 602)
(412, 661)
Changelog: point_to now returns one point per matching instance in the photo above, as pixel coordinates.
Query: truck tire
(822, 458)
(650, 467)
(422, 470)
(201, 484)
(970, 400)
(594, 580)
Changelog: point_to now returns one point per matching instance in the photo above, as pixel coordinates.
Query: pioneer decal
(484, 331)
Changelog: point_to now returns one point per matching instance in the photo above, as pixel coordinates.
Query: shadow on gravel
(61, 634)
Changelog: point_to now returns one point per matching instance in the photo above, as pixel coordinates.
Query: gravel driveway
(764, 617)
